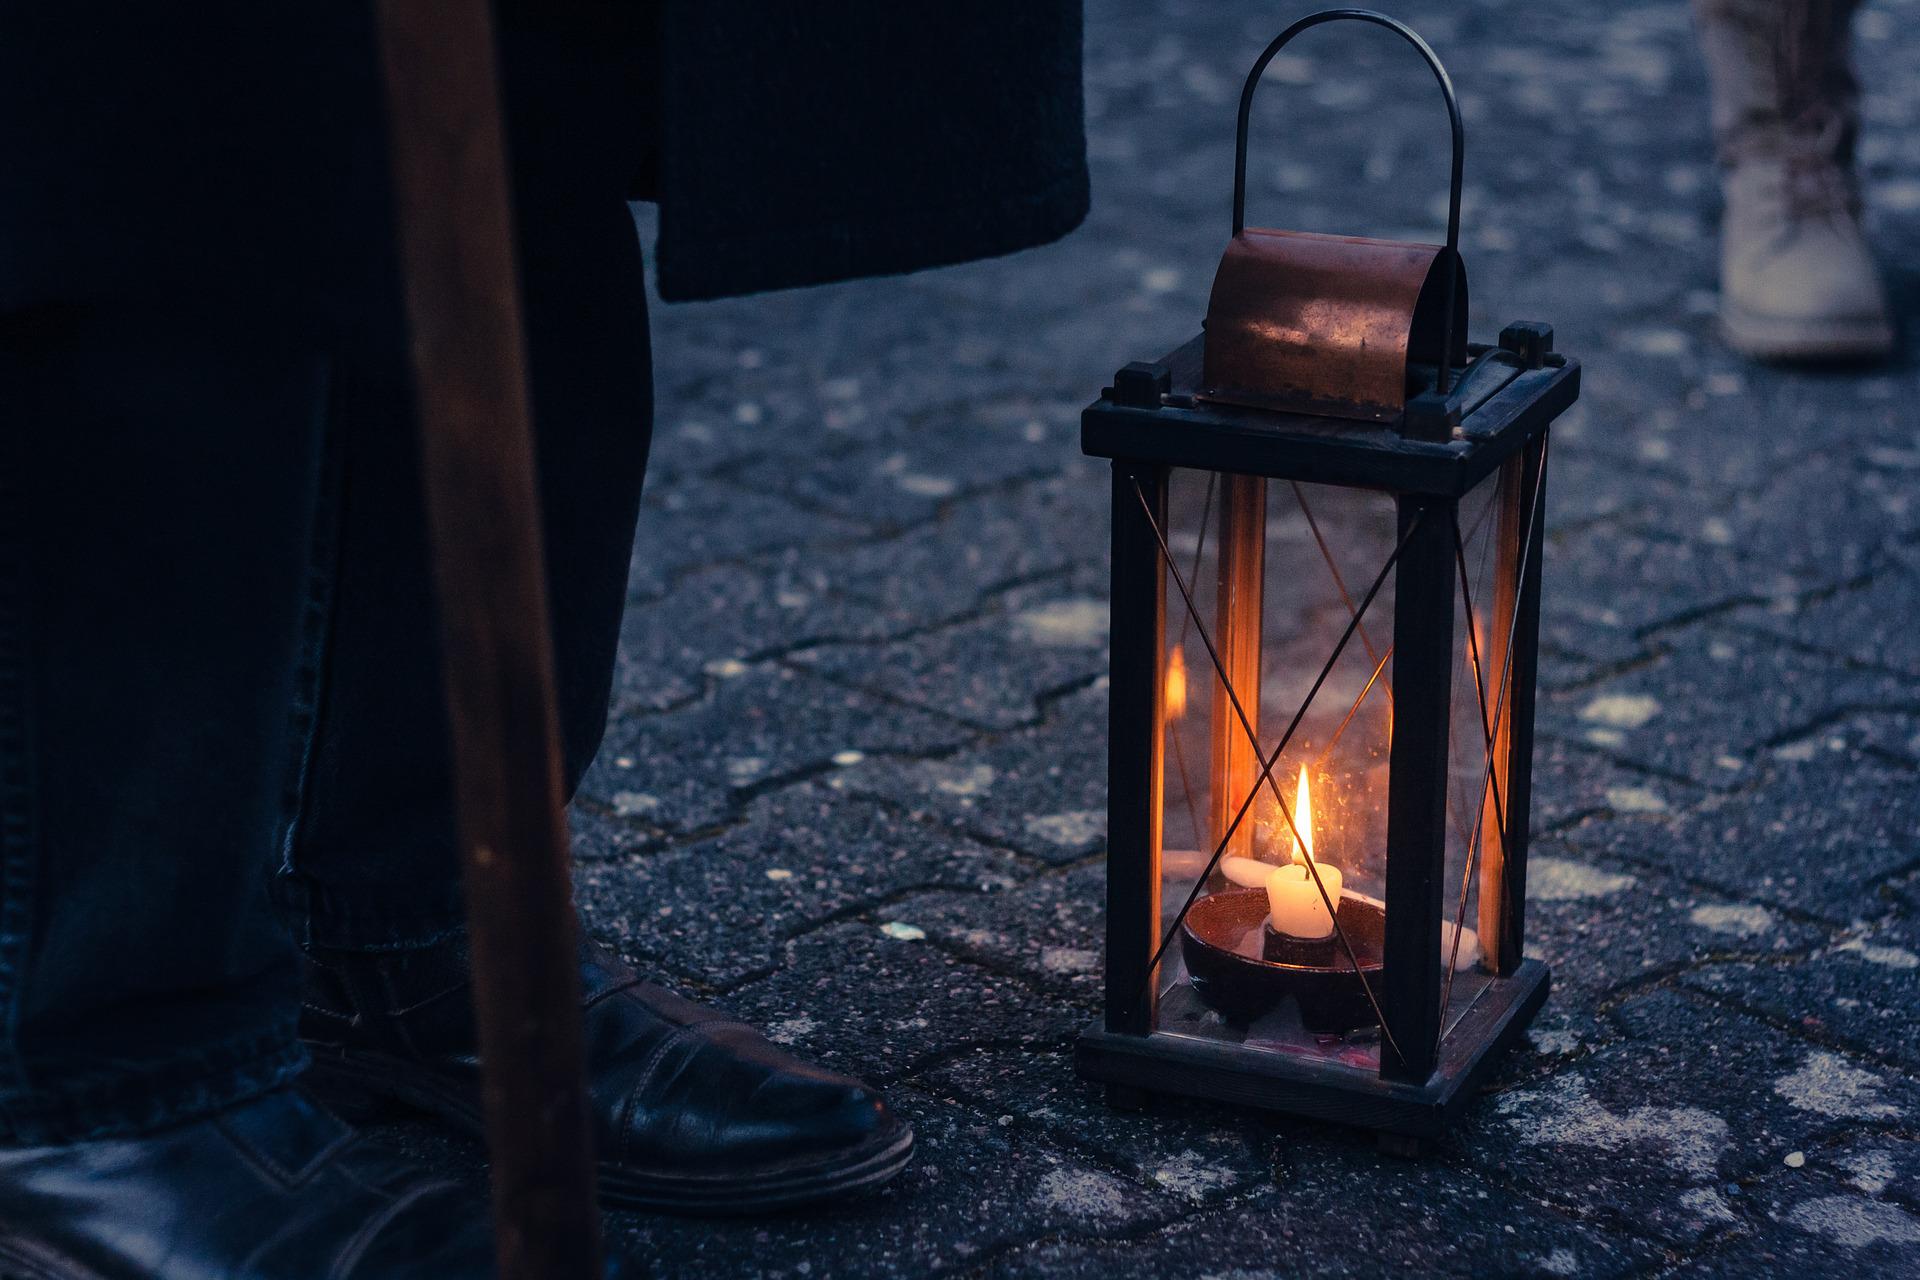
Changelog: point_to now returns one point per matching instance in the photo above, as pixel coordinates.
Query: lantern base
(1322, 1089)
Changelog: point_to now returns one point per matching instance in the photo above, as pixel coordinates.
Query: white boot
(1797, 281)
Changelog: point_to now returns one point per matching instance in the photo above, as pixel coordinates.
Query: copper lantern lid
(1337, 326)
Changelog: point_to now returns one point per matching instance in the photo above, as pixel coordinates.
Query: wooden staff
(463, 310)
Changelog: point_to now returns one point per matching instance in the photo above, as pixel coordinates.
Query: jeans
(222, 734)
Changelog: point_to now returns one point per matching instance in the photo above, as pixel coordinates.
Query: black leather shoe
(273, 1189)
(693, 1112)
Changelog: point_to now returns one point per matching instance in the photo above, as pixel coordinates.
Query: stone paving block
(811, 372)
(895, 485)
(1812, 836)
(910, 356)
(991, 671)
(1844, 1211)
(1575, 653)
(1634, 423)
(1713, 698)
(1892, 735)
(1356, 1214)
(1051, 928)
(1152, 276)
(1654, 1134)
(1903, 891)
(1036, 417)
(980, 546)
(688, 526)
(975, 1189)
(876, 1000)
(599, 836)
(1135, 324)
(1589, 486)
(1887, 735)
(1605, 925)
(1859, 991)
(1041, 790)
(1704, 438)
(923, 404)
(1820, 516)
(1871, 624)
(1572, 782)
(718, 415)
(1782, 1091)
(695, 437)
(1829, 540)
(688, 768)
(1621, 583)
(1196, 1152)
(1885, 1166)
(715, 620)
(723, 908)
(1568, 1029)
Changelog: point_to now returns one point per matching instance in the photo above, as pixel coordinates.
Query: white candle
(1295, 903)
(1248, 873)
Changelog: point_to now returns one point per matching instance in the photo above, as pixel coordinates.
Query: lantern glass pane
(1269, 579)
(1475, 795)
(1276, 573)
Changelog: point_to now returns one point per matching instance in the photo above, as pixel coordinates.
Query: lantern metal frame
(1477, 415)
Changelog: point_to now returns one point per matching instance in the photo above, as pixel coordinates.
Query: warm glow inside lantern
(1325, 622)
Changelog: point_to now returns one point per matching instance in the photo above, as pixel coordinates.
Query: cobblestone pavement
(854, 787)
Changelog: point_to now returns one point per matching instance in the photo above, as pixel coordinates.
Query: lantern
(1327, 537)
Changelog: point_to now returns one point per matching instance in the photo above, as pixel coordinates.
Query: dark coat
(230, 156)
(810, 142)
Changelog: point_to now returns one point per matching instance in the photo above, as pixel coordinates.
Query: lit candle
(1295, 903)
(1294, 900)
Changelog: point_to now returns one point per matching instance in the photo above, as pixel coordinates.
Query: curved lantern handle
(1425, 50)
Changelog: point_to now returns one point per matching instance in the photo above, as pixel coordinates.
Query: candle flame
(1303, 820)
(1176, 692)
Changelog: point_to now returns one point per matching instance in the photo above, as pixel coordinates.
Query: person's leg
(1797, 279)
(373, 863)
(158, 499)
(691, 1110)
(157, 489)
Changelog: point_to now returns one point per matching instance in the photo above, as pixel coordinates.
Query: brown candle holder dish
(1243, 969)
